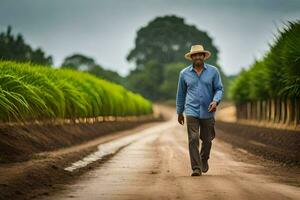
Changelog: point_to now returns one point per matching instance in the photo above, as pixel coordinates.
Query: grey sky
(106, 29)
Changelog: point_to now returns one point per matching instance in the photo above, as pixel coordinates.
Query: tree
(84, 63)
(14, 48)
(161, 45)
(79, 62)
(171, 75)
(166, 39)
(147, 81)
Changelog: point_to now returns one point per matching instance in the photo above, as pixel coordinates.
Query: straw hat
(197, 49)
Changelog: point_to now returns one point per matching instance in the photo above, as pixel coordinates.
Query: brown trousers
(206, 134)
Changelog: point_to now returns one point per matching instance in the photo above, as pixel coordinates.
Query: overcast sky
(106, 29)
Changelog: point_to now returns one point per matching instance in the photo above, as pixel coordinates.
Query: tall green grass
(277, 74)
(29, 92)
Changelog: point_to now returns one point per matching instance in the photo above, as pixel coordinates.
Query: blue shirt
(195, 93)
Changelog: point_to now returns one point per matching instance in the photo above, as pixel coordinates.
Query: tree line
(158, 54)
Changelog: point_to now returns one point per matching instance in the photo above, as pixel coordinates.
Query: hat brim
(207, 54)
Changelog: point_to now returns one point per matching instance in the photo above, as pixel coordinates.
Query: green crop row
(29, 92)
(277, 74)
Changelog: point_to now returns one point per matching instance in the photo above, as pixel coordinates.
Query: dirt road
(156, 165)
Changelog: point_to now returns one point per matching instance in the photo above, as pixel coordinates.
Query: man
(199, 92)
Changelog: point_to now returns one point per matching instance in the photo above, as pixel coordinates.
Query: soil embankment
(272, 143)
(33, 157)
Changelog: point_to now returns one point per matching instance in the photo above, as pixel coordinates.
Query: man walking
(199, 92)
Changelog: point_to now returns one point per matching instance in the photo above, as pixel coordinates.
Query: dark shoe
(204, 166)
(196, 172)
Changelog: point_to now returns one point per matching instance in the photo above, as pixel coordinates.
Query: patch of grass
(29, 91)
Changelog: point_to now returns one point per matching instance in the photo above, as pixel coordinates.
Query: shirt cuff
(218, 101)
(179, 111)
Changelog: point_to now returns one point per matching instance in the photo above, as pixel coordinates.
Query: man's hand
(180, 119)
(212, 106)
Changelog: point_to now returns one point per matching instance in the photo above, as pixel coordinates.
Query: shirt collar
(191, 66)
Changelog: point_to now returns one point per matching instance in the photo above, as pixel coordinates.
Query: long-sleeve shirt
(196, 92)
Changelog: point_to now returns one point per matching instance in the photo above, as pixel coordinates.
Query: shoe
(205, 166)
(196, 172)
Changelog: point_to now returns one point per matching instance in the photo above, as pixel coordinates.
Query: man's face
(198, 58)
